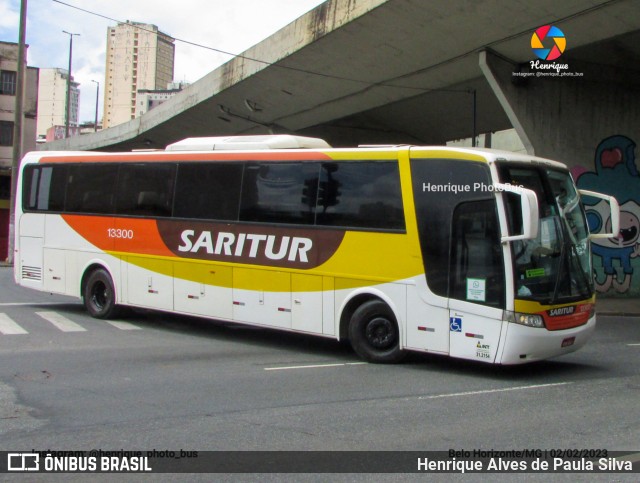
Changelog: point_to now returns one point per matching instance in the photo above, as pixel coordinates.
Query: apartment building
(52, 100)
(8, 85)
(139, 57)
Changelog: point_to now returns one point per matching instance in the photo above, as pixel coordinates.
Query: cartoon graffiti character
(622, 248)
(615, 174)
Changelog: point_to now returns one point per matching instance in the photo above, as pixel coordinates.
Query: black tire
(99, 295)
(374, 334)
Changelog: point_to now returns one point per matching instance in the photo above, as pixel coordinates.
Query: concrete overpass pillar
(496, 70)
(591, 123)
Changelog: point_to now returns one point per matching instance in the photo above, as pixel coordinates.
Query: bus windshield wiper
(561, 262)
(585, 278)
(566, 264)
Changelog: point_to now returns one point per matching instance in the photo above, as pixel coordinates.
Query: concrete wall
(614, 171)
(592, 123)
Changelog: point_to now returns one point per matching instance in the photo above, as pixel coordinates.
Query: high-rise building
(52, 100)
(139, 56)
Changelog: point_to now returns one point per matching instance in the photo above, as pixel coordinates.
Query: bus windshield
(554, 267)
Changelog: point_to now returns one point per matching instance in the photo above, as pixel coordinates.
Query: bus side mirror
(615, 214)
(529, 208)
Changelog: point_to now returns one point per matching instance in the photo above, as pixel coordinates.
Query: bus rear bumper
(527, 344)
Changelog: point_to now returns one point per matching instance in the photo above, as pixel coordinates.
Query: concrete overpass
(404, 71)
(379, 71)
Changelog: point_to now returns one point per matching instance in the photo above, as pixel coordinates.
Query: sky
(228, 25)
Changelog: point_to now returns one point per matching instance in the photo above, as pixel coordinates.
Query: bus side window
(30, 187)
(365, 194)
(90, 188)
(208, 191)
(146, 190)
(279, 193)
(477, 254)
(44, 188)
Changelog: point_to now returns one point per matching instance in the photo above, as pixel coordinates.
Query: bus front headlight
(530, 320)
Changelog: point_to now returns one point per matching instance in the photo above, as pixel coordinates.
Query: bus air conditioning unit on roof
(273, 141)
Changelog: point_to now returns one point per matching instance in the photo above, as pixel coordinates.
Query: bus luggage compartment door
(29, 268)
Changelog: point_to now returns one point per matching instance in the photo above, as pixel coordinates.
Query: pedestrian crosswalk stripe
(30, 304)
(118, 324)
(9, 327)
(61, 322)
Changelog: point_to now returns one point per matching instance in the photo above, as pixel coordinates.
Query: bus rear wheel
(374, 334)
(99, 295)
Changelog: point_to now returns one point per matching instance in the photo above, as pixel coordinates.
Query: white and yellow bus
(471, 253)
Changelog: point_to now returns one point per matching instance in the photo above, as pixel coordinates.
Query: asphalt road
(158, 381)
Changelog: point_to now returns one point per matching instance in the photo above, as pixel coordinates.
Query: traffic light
(329, 190)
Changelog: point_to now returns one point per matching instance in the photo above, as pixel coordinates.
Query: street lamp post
(68, 100)
(95, 124)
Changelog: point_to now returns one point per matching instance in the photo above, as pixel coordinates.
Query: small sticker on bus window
(535, 272)
(476, 289)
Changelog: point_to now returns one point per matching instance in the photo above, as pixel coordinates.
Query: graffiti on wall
(616, 174)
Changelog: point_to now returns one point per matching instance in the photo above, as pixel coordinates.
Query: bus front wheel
(99, 295)
(374, 334)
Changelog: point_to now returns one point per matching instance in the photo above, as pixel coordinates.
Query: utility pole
(475, 117)
(95, 124)
(18, 116)
(68, 110)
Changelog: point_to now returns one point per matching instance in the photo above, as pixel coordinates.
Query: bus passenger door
(476, 282)
(474, 331)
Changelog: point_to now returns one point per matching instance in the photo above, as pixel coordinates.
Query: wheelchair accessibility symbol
(455, 324)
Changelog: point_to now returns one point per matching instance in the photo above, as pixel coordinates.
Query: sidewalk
(618, 306)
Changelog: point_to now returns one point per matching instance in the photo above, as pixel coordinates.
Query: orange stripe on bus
(163, 156)
(130, 235)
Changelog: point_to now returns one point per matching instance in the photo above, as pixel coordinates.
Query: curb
(617, 314)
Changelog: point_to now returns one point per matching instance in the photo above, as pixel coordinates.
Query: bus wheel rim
(379, 333)
(99, 295)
